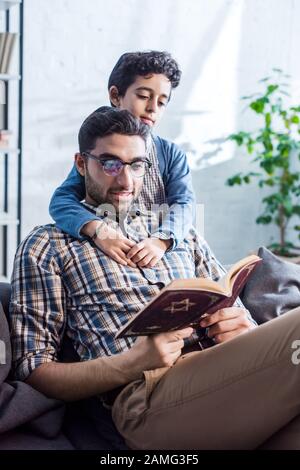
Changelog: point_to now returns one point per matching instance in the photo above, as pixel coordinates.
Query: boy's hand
(148, 252)
(115, 245)
(227, 323)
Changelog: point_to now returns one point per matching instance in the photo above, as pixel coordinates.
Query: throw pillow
(273, 288)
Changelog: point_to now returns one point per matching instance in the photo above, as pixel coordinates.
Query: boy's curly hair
(132, 64)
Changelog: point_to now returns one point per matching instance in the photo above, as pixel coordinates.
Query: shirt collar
(104, 210)
(137, 225)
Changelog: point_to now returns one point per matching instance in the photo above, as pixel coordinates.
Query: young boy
(140, 82)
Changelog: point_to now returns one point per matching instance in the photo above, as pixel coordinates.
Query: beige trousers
(242, 394)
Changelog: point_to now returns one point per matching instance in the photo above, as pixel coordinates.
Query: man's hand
(227, 323)
(148, 252)
(159, 350)
(115, 245)
(78, 380)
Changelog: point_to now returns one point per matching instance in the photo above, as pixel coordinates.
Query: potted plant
(273, 148)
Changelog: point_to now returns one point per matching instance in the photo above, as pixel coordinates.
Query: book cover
(6, 56)
(2, 45)
(184, 301)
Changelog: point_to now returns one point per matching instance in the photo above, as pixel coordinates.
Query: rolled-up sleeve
(37, 317)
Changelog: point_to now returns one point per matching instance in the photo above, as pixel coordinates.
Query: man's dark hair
(132, 64)
(107, 121)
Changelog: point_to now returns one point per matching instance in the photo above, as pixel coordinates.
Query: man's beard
(96, 194)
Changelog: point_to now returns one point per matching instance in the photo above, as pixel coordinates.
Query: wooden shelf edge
(6, 4)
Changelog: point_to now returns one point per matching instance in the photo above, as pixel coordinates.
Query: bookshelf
(6, 4)
(7, 77)
(11, 21)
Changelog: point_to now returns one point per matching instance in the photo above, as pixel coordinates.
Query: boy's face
(146, 98)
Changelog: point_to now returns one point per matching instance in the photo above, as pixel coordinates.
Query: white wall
(223, 47)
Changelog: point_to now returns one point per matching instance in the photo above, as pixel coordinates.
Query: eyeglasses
(114, 166)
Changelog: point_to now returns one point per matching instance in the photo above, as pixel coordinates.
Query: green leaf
(268, 119)
(236, 179)
(295, 119)
(238, 138)
(288, 207)
(296, 210)
(271, 89)
(259, 105)
(250, 147)
(249, 97)
(268, 166)
(269, 182)
(264, 219)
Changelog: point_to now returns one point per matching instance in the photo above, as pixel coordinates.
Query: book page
(228, 280)
(197, 283)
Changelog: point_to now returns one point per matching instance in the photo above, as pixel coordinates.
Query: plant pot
(293, 258)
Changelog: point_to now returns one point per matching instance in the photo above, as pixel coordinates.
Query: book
(2, 44)
(4, 138)
(184, 301)
(7, 51)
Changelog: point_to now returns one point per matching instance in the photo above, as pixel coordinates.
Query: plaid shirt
(153, 190)
(63, 286)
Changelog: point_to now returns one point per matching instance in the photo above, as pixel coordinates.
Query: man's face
(119, 190)
(146, 98)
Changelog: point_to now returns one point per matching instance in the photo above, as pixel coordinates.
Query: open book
(184, 301)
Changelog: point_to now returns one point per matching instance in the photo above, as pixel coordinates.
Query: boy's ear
(80, 163)
(114, 96)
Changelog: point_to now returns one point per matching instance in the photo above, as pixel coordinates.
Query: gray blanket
(23, 409)
(29, 420)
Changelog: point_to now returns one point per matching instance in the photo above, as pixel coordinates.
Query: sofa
(29, 420)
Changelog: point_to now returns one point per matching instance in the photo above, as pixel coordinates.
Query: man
(217, 398)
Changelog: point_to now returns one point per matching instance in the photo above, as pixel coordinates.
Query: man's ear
(80, 163)
(114, 96)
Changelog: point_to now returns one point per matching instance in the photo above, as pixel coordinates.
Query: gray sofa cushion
(5, 291)
(273, 289)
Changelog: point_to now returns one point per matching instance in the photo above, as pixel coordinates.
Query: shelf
(6, 77)
(8, 150)
(6, 4)
(12, 28)
(6, 219)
